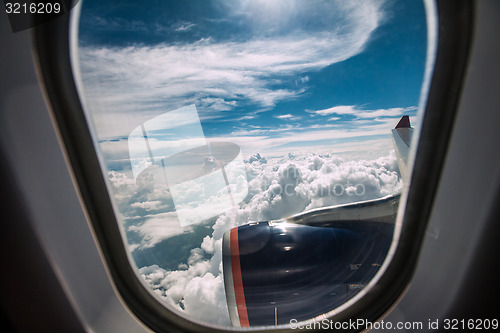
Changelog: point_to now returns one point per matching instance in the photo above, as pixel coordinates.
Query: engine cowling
(275, 272)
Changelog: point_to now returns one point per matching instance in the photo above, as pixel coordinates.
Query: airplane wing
(401, 137)
(306, 265)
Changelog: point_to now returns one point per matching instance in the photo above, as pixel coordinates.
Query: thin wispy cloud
(360, 112)
(286, 116)
(184, 26)
(215, 74)
(329, 135)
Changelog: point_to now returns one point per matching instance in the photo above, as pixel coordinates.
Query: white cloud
(218, 104)
(147, 205)
(284, 116)
(140, 80)
(184, 26)
(359, 112)
(194, 291)
(342, 109)
(157, 228)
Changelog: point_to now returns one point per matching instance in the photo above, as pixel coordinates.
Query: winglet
(404, 122)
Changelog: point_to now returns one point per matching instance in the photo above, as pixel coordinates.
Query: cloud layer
(278, 187)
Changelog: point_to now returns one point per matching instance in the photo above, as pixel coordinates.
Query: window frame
(51, 43)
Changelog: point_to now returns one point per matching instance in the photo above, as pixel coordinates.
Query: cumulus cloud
(146, 208)
(278, 188)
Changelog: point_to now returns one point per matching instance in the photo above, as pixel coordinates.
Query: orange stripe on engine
(239, 292)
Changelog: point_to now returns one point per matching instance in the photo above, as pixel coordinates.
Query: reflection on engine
(275, 272)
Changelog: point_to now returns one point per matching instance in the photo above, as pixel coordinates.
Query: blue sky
(270, 76)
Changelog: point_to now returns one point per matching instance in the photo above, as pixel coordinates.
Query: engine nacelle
(275, 272)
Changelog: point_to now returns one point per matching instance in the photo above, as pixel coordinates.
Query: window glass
(271, 116)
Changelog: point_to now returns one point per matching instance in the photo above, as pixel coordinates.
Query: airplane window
(255, 151)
